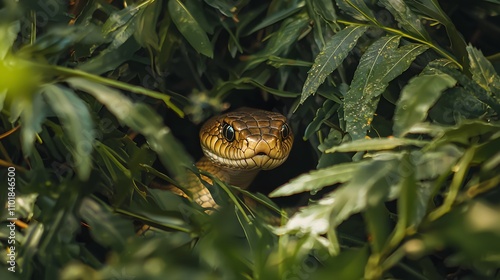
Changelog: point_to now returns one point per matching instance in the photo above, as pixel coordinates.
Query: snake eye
(228, 132)
(285, 131)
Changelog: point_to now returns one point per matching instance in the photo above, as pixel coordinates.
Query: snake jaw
(256, 162)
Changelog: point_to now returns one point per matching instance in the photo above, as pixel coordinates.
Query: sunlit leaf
(375, 144)
(380, 64)
(417, 98)
(332, 55)
(317, 179)
(190, 28)
(348, 199)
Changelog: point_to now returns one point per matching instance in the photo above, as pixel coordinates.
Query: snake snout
(262, 148)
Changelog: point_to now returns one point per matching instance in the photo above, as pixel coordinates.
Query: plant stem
(117, 84)
(400, 33)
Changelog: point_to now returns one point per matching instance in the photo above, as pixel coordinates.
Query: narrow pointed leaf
(276, 17)
(357, 9)
(332, 55)
(380, 64)
(483, 72)
(471, 86)
(8, 34)
(417, 98)
(324, 113)
(376, 144)
(190, 28)
(317, 179)
(33, 112)
(77, 123)
(349, 199)
(405, 16)
(432, 9)
(143, 119)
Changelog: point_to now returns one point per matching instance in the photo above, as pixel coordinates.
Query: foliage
(397, 104)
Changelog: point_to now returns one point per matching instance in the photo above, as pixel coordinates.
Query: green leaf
(280, 41)
(107, 228)
(380, 64)
(224, 7)
(472, 229)
(432, 9)
(145, 27)
(407, 204)
(376, 215)
(121, 25)
(376, 144)
(346, 265)
(408, 20)
(276, 17)
(483, 72)
(325, 9)
(357, 9)
(244, 83)
(332, 55)
(324, 113)
(348, 199)
(109, 60)
(142, 119)
(479, 92)
(465, 131)
(32, 112)
(77, 123)
(8, 34)
(456, 104)
(317, 179)
(417, 98)
(190, 28)
(430, 165)
(286, 36)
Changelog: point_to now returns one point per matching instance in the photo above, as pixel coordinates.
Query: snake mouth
(258, 161)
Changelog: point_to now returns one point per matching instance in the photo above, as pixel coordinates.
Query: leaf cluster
(391, 99)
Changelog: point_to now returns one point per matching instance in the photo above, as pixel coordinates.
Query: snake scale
(236, 146)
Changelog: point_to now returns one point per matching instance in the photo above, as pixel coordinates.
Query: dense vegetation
(394, 105)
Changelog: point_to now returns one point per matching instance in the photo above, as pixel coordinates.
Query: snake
(236, 146)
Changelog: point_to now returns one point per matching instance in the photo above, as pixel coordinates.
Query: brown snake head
(248, 139)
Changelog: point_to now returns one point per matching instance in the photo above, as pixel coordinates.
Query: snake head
(248, 139)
